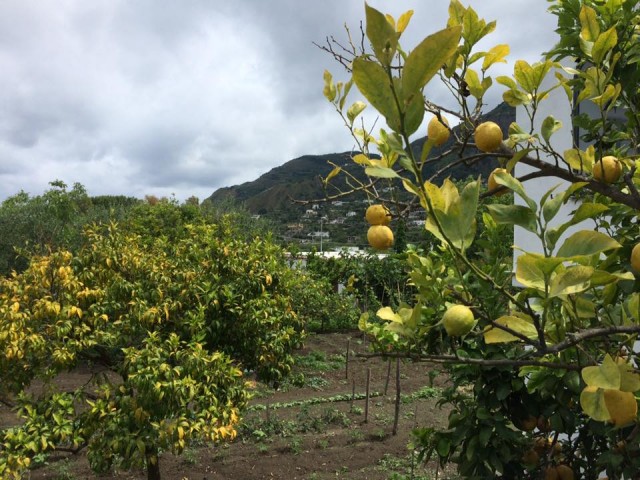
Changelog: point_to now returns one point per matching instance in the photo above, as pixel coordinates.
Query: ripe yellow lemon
(380, 237)
(635, 258)
(530, 457)
(607, 170)
(437, 131)
(488, 137)
(550, 473)
(378, 215)
(492, 184)
(458, 320)
(529, 424)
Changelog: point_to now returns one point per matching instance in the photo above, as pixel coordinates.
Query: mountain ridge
(299, 178)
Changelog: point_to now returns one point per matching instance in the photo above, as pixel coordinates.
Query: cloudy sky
(183, 97)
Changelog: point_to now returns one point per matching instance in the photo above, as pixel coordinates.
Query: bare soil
(313, 431)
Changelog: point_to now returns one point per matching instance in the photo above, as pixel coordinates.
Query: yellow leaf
(496, 55)
(362, 159)
(521, 325)
(592, 403)
(386, 313)
(403, 21)
(622, 407)
(605, 376)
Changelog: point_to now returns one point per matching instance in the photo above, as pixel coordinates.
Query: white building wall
(557, 105)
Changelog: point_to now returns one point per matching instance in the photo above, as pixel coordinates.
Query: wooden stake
(386, 383)
(346, 365)
(366, 405)
(353, 393)
(397, 413)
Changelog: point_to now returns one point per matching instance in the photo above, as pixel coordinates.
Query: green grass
(319, 362)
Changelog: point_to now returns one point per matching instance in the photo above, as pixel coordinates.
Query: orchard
(542, 354)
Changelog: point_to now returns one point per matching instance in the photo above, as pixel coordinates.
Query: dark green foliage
(55, 219)
(373, 281)
(320, 306)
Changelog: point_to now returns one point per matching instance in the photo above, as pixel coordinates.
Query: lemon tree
(546, 350)
(170, 320)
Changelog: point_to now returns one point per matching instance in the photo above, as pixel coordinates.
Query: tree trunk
(153, 463)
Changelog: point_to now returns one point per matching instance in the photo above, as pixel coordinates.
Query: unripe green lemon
(458, 320)
(607, 170)
(380, 237)
(378, 215)
(437, 131)
(488, 137)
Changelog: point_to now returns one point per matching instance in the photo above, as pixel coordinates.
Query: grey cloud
(176, 97)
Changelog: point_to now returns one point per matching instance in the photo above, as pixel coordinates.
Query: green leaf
(549, 126)
(454, 213)
(573, 280)
(587, 242)
(592, 403)
(607, 375)
(517, 156)
(362, 322)
(584, 211)
(507, 82)
(521, 325)
(476, 87)
(550, 206)
(532, 269)
(516, 97)
(381, 172)
(602, 277)
(427, 58)
(514, 215)
(590, 29)
(605, 42)
(632, 305)
(524, 75)
(381, 34)
(588, 210)
(506, 179)
(414, 114)
(629, 379)
(443, 447)
(373, 82)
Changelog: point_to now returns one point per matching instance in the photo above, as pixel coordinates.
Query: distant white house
(318, 234)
